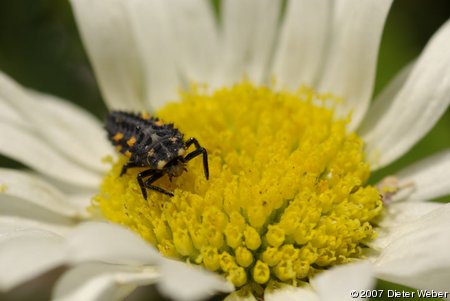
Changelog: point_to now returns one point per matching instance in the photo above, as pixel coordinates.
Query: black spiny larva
(149, 142)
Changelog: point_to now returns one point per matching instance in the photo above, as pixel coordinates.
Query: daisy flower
(283, 107)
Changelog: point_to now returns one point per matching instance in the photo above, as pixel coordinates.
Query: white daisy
(268, 165)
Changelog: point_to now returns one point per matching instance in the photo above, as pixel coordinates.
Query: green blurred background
(40, 48)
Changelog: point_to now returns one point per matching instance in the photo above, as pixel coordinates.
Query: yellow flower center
(287, 194)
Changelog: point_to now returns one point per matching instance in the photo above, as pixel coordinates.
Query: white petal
(30, 188)
(403, 212)
(350, 64)
(417, 254)
(26, 147)
(11, 231)
(110, 243)
(14, 224)
(338, 282)
(10, 114)
(25, 254)
(65, 127)
(416, 107)
(96, 282)
(427, 179)
(182, 282)
(382, 103)
(79, 197)
(107, 35)
(303, 37)
(196, 36)
(292, 294)
(14, 210)
(82, 201)
(397, 216)
(249, 30)
(71, 130)
(156, 47)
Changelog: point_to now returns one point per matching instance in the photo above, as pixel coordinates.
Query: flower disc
(287, 194)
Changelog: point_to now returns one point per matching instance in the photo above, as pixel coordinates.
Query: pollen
(3, 188)
(287, 195)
